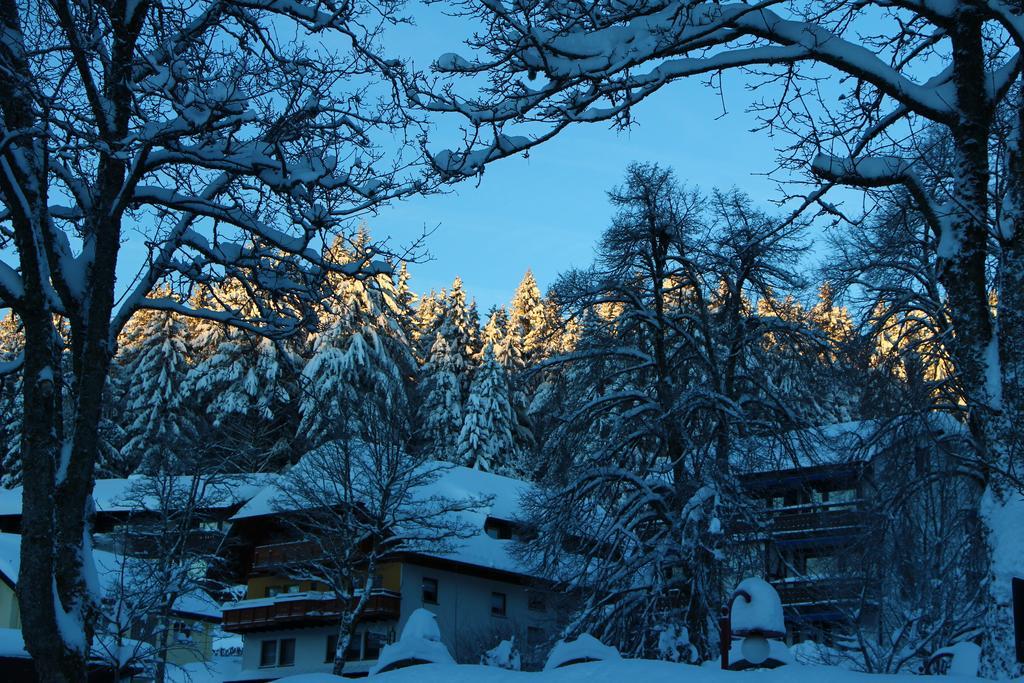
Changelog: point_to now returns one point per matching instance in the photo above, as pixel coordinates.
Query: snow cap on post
(586, 648)
(756, 608)
(421, 624)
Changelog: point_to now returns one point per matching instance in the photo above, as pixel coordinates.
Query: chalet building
(818, 538)
(122, 507)
(817, 516)
(479, 592)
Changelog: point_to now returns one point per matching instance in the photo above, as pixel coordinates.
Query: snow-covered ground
(620, 671)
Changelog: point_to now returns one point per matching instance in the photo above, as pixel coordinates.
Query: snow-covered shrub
(674, 644)
(504, 655)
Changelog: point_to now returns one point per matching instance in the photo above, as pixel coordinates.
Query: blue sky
(546, 212)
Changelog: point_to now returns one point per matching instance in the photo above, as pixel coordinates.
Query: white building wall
(310, 650)
(310, 647)
(463, 610)
(463, 613)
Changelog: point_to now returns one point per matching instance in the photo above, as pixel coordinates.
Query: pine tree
(486, 441)
(440, 412)
(157, 427)
(496, 328)
(347, 367)
(405, 302)
(427, 320)
(462, 327)
(532, 321)
(245, 390)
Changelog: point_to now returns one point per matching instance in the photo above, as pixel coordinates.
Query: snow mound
(420, 643)
(762, 612)
(586, 648)
(313, 678)
(642, 671)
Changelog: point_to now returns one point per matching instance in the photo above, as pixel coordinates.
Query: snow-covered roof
(110, 569)
(125, 495)
(835, 444)
(452, 482)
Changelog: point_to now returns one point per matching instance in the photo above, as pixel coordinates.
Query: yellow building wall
(258, 585)
(10, 616)
(390, 573)
(201, 648)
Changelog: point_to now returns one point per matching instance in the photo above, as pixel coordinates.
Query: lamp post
(760, 618)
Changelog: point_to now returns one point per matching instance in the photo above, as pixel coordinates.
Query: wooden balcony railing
(277, 554)
(819, 592)
(804, 520)
(824, 516)
(304, 609)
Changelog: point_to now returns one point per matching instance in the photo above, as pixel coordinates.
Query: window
(286, 653)
(534, 636)
(497, 604)
(272, 655)
(272, 591)
(374, 642)
(332, 647)
(182, 631)
(354, 651)
(536, 602)
(498, 528)
(268, 653)
(429, 591)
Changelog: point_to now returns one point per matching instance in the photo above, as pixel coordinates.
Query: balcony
(817, 518)
(818, 593)
(303, 609)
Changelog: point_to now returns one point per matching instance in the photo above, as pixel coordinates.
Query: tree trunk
(41, 438)
(997, 645)
(349, 619)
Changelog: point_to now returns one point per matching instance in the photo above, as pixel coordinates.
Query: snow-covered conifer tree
(486, 440)
(158, 426)
(528, 321)
(496, 327)
(440, 410)
(245, 391)
(359, 351)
